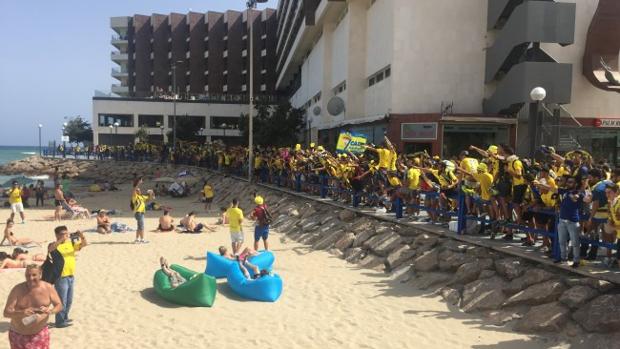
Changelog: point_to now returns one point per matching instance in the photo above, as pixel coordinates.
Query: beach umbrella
(21, 180)
(164, 180)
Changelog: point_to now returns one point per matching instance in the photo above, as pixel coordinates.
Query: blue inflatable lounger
(266, 288)
(218, 266)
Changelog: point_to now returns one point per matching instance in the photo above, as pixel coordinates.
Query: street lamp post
(64, 143)
(174, 104)
(224, 126)
(111, 129)
(40, 148)
(537, 95)
(251, 5)
(116, 125)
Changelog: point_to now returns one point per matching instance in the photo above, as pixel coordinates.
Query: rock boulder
(549, 317)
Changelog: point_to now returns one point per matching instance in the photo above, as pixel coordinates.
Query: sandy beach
(326, 303)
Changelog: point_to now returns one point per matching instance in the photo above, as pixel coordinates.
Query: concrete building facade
(207, 53)
(418, 70)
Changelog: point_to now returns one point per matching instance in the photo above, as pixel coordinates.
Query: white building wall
(135, 108)
(587, 100)
(379, 51)
(340, 41)
(439, 55)
(380, 35)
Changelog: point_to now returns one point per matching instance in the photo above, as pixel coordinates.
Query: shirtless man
(59, 202)
(166, 222)
(29, 306)
(189, 224)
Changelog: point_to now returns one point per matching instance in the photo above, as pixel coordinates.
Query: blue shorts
(140, 219)
(261, 232)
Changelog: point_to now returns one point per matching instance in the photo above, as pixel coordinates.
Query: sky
(57, 53)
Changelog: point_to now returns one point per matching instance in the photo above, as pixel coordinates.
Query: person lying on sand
(6, 262)
(242, 259)
(22, 255)
(166, 222)
(10, 236)
(175, 278)
(103, 223)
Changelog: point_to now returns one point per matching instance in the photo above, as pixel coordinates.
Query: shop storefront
(600, 137)
(449, 135)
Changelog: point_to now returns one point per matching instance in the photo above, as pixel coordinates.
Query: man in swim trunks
(166, 222)
(59, 202)
(29, 306)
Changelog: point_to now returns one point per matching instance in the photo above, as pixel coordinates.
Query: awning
(357, 121)
(479, 119)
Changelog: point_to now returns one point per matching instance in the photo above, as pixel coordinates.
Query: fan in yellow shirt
(208, 194)
(235, 217)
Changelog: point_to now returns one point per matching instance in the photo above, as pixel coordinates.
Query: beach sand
(326, 303)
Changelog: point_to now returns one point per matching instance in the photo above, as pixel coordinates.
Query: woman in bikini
(6, 262)
(22, 255)
(10, 237)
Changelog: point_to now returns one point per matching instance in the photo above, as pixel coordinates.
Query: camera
(74, 237)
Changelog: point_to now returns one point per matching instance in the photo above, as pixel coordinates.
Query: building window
(224, 122)
(124, 120)
(148, 120)
(371, 81)
(388, 72)
(198, 121)
(379, 76)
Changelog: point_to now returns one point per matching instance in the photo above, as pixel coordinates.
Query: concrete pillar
(356, 66)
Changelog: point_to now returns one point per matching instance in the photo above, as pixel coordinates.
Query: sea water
(12, 153)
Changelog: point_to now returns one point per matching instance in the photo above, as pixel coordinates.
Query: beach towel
(120, 228)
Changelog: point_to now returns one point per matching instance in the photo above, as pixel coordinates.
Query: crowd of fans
(572, 193)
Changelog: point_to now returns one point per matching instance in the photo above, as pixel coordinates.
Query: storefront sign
(607, 122)
(351, 142)
(418, 131)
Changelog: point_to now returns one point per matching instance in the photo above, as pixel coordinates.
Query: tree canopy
(78, 130)
(277, 125)
(187, 130)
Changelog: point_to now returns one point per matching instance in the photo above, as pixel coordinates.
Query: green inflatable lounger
(198, 291)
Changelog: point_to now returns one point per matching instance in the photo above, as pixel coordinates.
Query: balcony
(120, 42)
(120, 73)
(120, 90)
(120, 24)
(119, 57)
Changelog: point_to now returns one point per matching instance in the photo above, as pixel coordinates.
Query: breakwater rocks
(116, 172)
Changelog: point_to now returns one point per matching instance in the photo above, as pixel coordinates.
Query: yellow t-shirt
(486, 181)
(515, 167)
(445, 179)
(469, 164)
(413, 177)
(257, 162)
(235, 216)
(394, 181)
(139, 203)
(547, 198)
(67, 249)
(385, 158)
(207, 191)
(15, 196)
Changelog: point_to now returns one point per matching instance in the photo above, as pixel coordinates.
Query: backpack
(52, 267)
(267, 218)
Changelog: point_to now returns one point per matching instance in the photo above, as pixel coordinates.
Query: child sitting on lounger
(175, 278)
